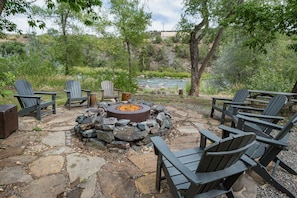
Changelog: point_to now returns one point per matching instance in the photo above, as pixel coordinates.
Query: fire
(128, 107)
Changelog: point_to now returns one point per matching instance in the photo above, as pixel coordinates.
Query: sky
(165, 16)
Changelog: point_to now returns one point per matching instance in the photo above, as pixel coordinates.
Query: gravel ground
(287, 180)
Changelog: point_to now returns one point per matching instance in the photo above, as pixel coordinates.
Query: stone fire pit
(116, 126)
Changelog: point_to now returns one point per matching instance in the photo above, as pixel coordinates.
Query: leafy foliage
(12, 48)
(240, 66)
(13, 7)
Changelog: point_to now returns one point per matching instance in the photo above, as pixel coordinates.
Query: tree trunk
(64, 32)
(2, 4)
(194, 55)
(208, 57)
(129, 62)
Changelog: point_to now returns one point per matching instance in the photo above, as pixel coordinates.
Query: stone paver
(81, 166)
(46, 166)
(55, 139)
(48, 186)
(14, 174)
(49, 164)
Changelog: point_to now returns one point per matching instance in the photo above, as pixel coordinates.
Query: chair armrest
(67, 91)
(26, 96)
(272, 142)
(45, 93)
(86, 90)
(261, 116)
(222, 99)
(242, 119)
(207, 135)
(227, 130)
(247, 108)
(235, 103)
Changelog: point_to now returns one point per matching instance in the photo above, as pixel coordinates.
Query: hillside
(163, 53)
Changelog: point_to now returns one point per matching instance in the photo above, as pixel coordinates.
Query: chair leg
(285, 166)
(54, 108)
(38, 112)
(230, 194)
(261, 170)
(211, 112)
(223, 118)
(158, 173)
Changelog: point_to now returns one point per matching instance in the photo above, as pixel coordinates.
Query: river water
(162, 83)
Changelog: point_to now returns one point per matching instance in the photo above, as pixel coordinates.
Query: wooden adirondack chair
(203, 171)
(76, 95)
(269, 114)
(266, 149)
(108, 91)
(226, 108)
(31, 101)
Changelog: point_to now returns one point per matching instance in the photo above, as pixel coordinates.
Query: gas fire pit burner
(133, 112)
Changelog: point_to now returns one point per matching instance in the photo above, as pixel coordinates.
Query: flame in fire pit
(129, 107)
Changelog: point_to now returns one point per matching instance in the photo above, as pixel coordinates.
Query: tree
(262, 21)
(131, 21)
(201, 19)
(13, 7)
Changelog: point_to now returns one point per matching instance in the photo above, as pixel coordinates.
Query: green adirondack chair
(203, 171)
(267, 148)
(269, 114)
(108, 91)
(31, 101)
(76, 96)
(223, 105)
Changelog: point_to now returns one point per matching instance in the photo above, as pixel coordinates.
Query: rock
(122, 122)
(160, 117)
(109, 121)
(91, 133)
(142, 126)
(95, 143)
(106, 136)
(80, 119)
(118, 144)
(108, 127)
(129, 133)
(87, 120)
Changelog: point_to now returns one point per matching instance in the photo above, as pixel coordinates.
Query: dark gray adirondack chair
(31, 101)
(76, 95)
(226, 108)
(108, 91)
(269, 114)
(203, 171)
(266, 149)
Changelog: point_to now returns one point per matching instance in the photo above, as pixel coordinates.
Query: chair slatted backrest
(74, 87)
(240, 96)
(23, 87)
(108, 88)
(225, 153)
(275, 104)
(286, 129)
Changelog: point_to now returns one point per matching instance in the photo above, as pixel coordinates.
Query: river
(162, 83)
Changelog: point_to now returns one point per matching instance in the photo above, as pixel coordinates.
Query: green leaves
(13, 7)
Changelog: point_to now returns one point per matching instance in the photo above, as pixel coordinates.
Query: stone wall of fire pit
(97, 130)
